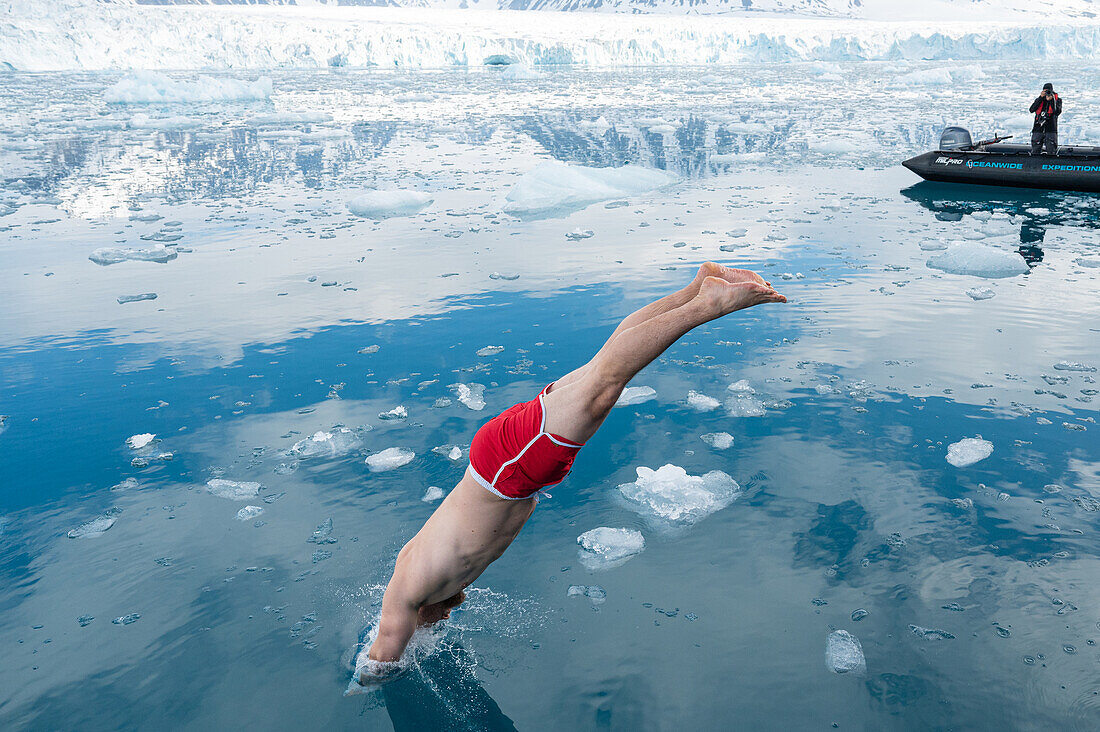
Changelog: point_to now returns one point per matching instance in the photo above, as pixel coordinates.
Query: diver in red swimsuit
(528, 447)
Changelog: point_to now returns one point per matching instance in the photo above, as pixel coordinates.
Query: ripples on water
(972, 590)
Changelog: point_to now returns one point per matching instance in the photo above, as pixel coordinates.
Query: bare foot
(730, 274)
(724, 297)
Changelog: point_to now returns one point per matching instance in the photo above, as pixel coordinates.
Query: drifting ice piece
(384, 204)
(968, 451)
(635, 395)
(471, 395)
(93, 528)
(389, 459)
(844, 654)
(979, 260)
(105, 256)
(605, 547)
(718, 440)
(149, 87)
(670, 493)
(232, 489)
(249, 512)
(555, 187)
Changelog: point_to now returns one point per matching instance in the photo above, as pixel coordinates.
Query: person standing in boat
(1044, 133)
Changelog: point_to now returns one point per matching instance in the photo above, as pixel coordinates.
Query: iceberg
(979, 260)
(151, 87)
(669, 493)
(968, 451)
(605, 547)
(386, 204)
(555, 188)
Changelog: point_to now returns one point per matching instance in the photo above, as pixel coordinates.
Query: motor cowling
(955, 138)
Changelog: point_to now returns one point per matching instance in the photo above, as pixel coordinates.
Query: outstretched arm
(395, 627)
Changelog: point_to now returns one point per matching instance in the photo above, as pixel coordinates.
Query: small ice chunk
(702, 402)
(105, 256)
(507, 276)
(670, 493)
(554, 187)
(398, 412)
(93, 528)
(232, 489)
(1090, 262)
(744, 404)
(968, 451)
(455, 453)
(136, 442)
(1073, 366)
(433, 494)
(605, 547)
(980, 293)
(323, 533)
(933, 245)
(340, 441)
(635, 395)
(369, 349)
(389, 459)
(127, 619)
(123, 299)
(718, 440)
(384, 204)
(930, 633)
(126, 484)
(595, 593)
(519, 72)
(844, 654)
(489, 350)
(579, 233)
(249, 512)
(979, 260)
(471, 395)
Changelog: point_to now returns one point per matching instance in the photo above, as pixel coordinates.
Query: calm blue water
(262, 334)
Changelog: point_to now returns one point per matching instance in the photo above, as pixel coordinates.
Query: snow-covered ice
(718, 440)
(968, 451)
(151, 87)
(844, 654)
(389, 459)
(554, 187)
(979, 260)
(386, 204)
(635, 395)
(606, 547)
(232, 489)
(671, 494)
(472, 396)
(93, 528)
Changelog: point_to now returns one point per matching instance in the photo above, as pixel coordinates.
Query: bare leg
(576, 409)
(665, 304)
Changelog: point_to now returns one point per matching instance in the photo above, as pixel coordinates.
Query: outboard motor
(955, 138)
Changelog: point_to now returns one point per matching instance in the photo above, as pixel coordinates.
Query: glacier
(60, 35)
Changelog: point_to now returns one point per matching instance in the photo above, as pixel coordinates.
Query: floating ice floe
(249, 512)
(968, 451)
(980, 293)
(635, 395)
(123, 299)
(127, 619)
(105, 256)
(1073, 366)
(606, 547)
(930, 633)
(150, 87)
(136, 442)
(398, 412)
(433, 494)
(389, 459)
(369, 349)
(323, 533)
(718, 440)
(743, 401)
(385, 204)
(1090, 262)
(471, 395)
(340, 441)
(519, 72)
(844, 654)
(232, 489)
(93, 528)
(490, 350)
(702, 402)
(555, 187)
(578, 234)
(671, 494)
(979, 260)
(595, 593)
(275, 119)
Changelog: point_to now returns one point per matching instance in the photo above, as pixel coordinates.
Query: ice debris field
(254, 317)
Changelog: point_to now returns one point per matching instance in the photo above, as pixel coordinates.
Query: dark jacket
(1046, 114)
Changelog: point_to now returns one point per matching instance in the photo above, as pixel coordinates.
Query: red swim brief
(514, 457)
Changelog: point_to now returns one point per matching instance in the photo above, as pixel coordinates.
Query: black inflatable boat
(995, 163)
